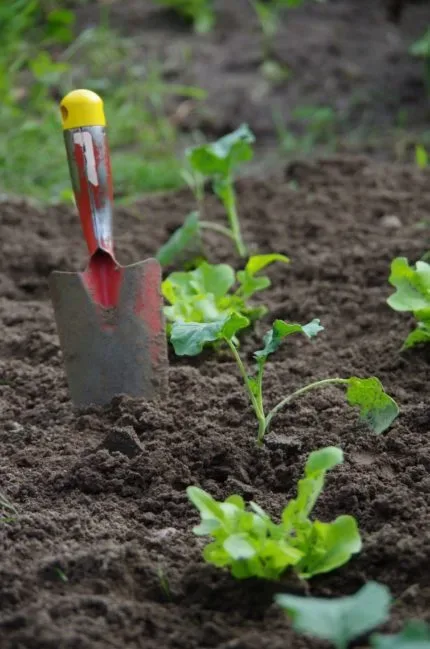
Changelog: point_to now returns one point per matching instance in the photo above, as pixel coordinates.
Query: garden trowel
(109, 317)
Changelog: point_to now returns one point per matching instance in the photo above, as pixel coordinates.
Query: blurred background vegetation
(42, 57)
(46, 51)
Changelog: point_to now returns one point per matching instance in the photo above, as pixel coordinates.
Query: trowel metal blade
(120, 350)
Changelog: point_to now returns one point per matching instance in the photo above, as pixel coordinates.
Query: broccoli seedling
(250, 544)
(377, 409)
(206, 294)
(199, 12)
(414, 635)
(218, 161)
(413, 295)
(341, 620)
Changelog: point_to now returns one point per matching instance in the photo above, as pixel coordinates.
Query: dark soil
(103, 520)
(344, 54)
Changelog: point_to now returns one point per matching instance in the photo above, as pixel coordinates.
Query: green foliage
(268, 13)
(189, 338)
(421, 50)
(413, 295)
(250, 544)
(200, 12)
(316, 126)
(218, 161)
(377, 409)
(415, 635)
(342, 619)
(7, 510)
(205, 295)
(184, 242)
(421, 156)
(42, 57)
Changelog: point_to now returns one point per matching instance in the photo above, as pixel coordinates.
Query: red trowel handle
(89, 164)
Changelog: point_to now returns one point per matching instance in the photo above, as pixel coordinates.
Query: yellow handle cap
(82, 108)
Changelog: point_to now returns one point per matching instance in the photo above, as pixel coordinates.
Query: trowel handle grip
(89, 164)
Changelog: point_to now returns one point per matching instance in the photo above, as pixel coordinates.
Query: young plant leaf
(184, 244)
(412, 294)
(339, 620)
(281, 330)
(252, 545)
(323, 460)
(415, 635)
(419, 335)
(413, 286)
(330, 545)
(219, 158)
(238, 547)
(377, 409)
(249, 283)
(206, 293)
(189, 338)
(310, 487)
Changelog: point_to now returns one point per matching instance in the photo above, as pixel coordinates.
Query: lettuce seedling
(339, 620)
(413, 295)
(415, 635)
(377, 409)
(200, 12)
(250, 544)
(219, 161)
(206, 294)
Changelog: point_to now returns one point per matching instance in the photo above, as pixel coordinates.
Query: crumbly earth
(101, 551)
(341, 54)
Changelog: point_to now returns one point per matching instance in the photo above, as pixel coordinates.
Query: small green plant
(219, 161)
(205, 294)
(414, 635)
(421, 50)
(268, 16)
(421, 156)
(343, 619)
(318, 127)
(250, 544)
(7, 510)
(200, 12)
(413, 295)
(377, 409)
(43, 56)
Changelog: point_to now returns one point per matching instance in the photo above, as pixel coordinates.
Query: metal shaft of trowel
(90, 171)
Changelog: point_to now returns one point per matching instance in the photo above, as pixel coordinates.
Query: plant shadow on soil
(101, 553)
